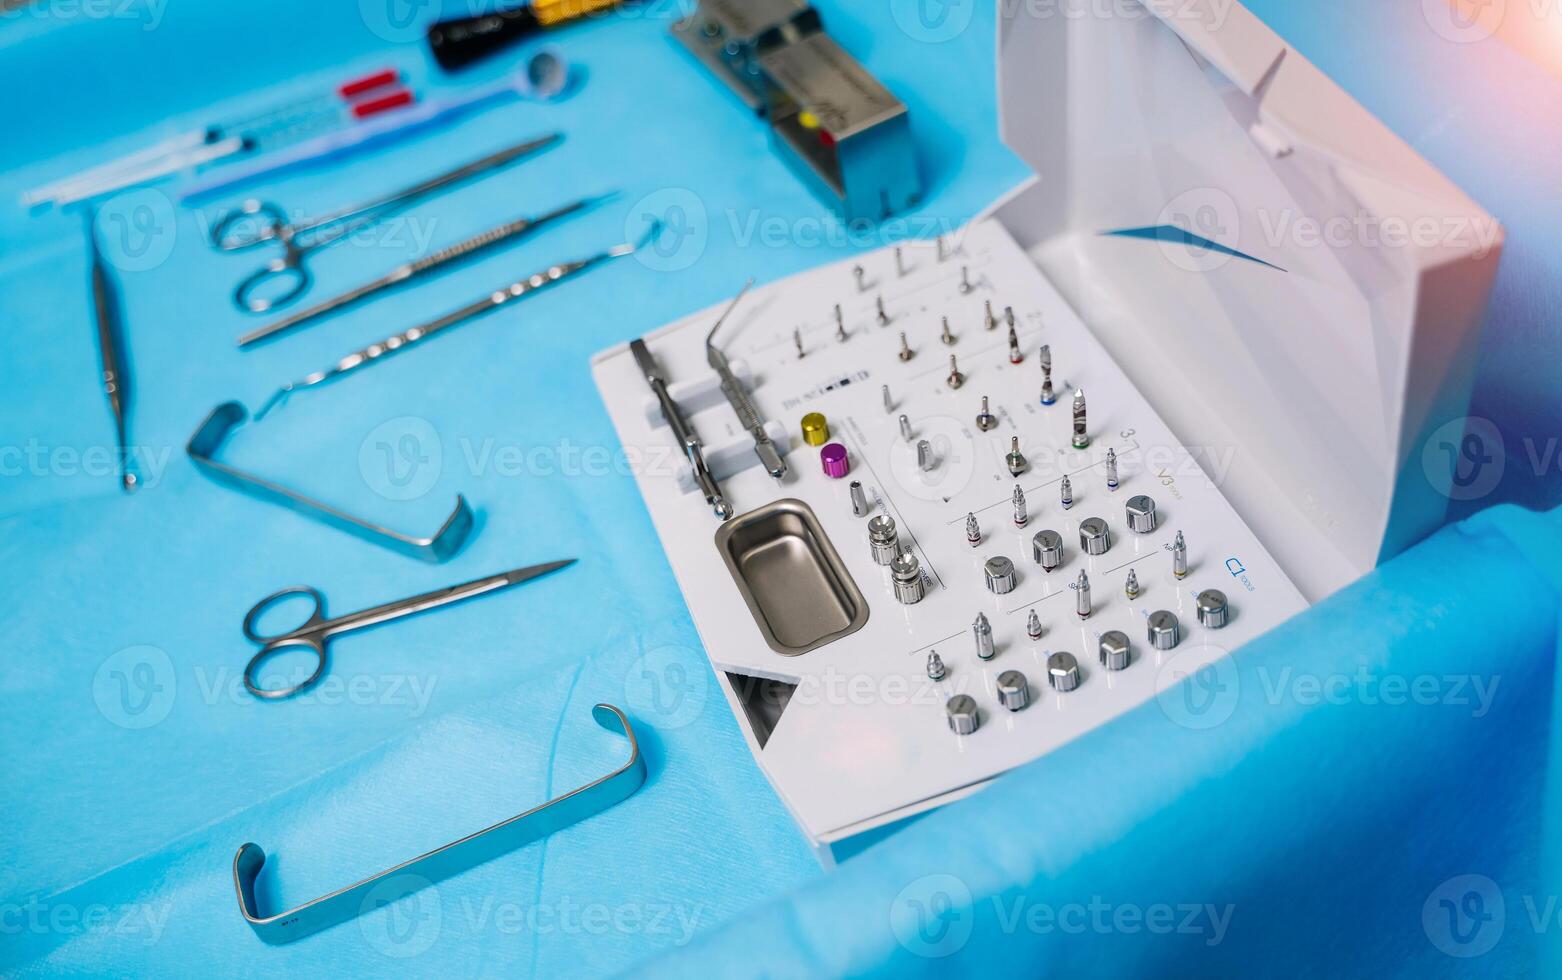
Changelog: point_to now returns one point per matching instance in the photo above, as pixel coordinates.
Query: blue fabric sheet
(133, 769)
(1358, 793)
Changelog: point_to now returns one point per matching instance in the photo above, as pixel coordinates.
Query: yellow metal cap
(815, 429)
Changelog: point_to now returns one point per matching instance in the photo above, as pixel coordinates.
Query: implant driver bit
(905, 428)
(1131, 587)
(905, 349)
(1021, 517)
(956, 379)
(973, 531)
(1048, 395)
(986, 420)
(1033, 626)
(1082, 595)
(797, 340)
(990, 321)
(944, 335)
(935, 667)
(1111, 469)
(982, 632)
(1015, 357)
(840, 324)
(925, 461)
(889, 403)
(1066, 493)
(883, 317)
(1081, 434)
(1015, 459)
(965, 280)
(1179, 556)
(859, 499)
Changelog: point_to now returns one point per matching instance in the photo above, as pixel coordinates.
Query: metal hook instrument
(208, 439)
(444, 862)
(376, 352)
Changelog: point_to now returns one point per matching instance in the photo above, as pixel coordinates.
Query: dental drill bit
(840, 324)
(944, 335)
(1021, 517)
(935, 667)
(1066, 492)
(1131, 586)
(965, 280)
(955, 379)
(982, 633)
(989, 320)
(1082, 595)
(1111, 469)
(889, 403)
(1179, 556)
(797, 340)
(883, 317)
(1081, 435)
(1033, 626)
(905, 428)
(986, 420)
(1015, 357)
(1008, 316)
(1048, 396)
(1015, 459)
(905, 349)
(973, 531)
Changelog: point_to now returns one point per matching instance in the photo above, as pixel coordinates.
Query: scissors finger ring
(310, 643)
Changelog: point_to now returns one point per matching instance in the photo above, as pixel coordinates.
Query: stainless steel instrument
(748, 415)
(441, 863)
(687, 439)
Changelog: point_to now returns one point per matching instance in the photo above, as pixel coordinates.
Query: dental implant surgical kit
(945, 506)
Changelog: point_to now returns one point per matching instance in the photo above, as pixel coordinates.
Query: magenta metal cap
(833, 457)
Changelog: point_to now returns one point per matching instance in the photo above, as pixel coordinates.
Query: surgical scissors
(316, 631)
(256, 222)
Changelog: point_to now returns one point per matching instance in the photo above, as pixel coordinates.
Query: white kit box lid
(1295, 290)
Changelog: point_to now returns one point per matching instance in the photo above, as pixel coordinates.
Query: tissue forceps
(287, 273)
(316, 631)
(410, 271)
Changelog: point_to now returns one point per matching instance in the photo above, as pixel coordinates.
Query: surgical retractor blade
(748, 415)
(687, 439)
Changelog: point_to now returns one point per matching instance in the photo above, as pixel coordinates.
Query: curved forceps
(316, 631)
(268, 223)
